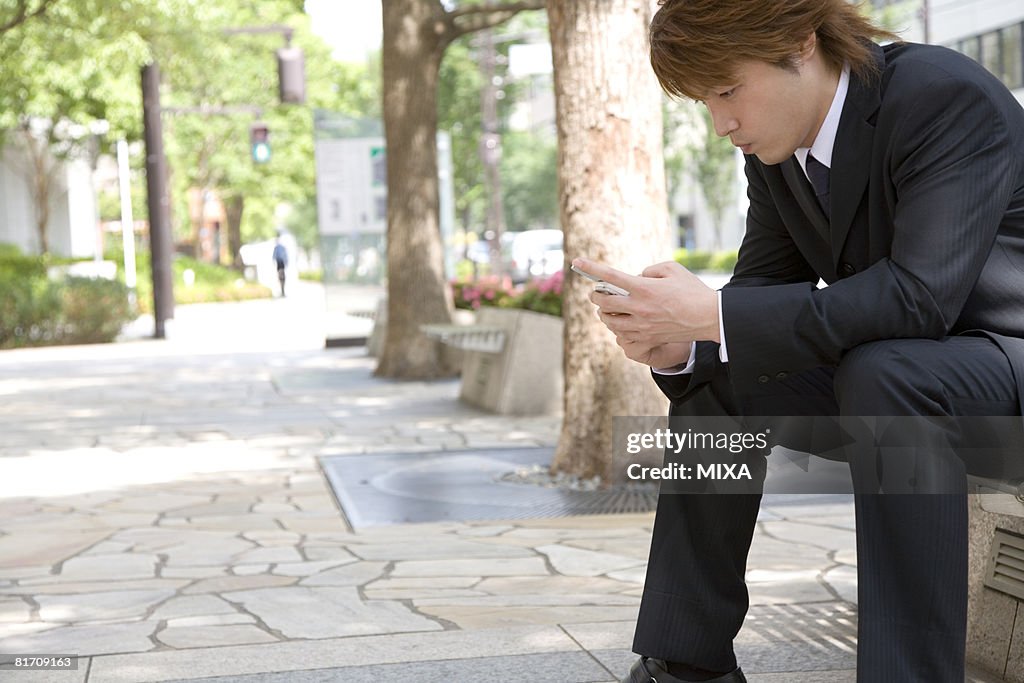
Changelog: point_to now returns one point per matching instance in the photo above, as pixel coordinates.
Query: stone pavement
(163, 516)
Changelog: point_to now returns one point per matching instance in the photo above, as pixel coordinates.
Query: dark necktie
(818, 174)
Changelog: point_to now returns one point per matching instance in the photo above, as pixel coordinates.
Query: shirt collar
(826, 139)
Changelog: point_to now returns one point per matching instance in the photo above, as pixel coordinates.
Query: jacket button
(781, 375)
(847, 269)
(764, 379)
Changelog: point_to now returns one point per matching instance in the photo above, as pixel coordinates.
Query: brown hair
(698, 44)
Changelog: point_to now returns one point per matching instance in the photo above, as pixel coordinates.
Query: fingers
(607, 273)
(626, 327)
(633, 350)
(663, 269)
(611, 303)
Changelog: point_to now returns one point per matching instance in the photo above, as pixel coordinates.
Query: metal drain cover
(398, 488)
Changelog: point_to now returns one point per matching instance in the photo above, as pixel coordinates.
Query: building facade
(73, 226)
(988, 31)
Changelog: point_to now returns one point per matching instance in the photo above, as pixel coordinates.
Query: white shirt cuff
(681, 369)
(723, 353)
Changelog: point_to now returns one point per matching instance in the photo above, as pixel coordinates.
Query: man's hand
(663, 356)
(667, 308)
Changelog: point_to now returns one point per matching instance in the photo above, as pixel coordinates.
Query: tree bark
(411, 63)
(416, 33)
(234, 205)
(613, 209)
(490, 154)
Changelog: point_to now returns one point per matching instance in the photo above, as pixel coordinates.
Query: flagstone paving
(163, 516)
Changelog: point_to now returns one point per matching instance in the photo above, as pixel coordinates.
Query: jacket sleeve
(953, 165)
(767, 256)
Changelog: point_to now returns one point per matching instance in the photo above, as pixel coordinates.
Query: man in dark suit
(896, 175)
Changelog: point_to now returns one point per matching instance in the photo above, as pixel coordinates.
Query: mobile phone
(602, 286)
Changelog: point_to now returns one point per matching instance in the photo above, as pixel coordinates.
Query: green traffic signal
(261, 152)
(259, 140)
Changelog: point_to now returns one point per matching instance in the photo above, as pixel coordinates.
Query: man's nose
(723, 123)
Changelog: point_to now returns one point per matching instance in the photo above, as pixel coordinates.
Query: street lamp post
(157, 201)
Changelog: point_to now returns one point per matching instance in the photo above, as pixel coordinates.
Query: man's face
(770, 111)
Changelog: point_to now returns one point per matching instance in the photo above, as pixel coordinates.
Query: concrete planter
(525, 377)
(995, 618)
(375, 342)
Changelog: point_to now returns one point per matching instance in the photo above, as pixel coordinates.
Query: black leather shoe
(646, 670)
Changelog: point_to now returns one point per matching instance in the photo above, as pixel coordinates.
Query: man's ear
(808, 47)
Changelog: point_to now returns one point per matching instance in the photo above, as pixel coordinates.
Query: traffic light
(259, 141)
(291, 75)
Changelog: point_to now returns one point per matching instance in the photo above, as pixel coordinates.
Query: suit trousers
(911, 548)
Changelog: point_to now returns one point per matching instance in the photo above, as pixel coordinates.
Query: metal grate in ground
(397, 488)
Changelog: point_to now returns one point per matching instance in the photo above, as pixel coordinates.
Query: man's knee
(884, 378)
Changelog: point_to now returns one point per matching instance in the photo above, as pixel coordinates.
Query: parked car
(480, 251)
(536, 253)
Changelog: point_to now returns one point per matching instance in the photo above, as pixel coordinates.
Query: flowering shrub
(486, 291)
(543, 295)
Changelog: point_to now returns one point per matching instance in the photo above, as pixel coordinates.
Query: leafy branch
(473, 18)
(23, 14)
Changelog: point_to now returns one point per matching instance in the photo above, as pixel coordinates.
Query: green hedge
(721, 262)
(15, 264)
(212, 282)
(95, 310)
(35, 311)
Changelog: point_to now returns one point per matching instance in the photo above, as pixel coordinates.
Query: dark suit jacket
(927, 232)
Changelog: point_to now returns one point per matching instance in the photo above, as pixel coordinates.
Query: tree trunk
(40, 176)
(41, 195)
(416, 34)
(613, 209)
(233, 208)
(417, 291)
(490, 153)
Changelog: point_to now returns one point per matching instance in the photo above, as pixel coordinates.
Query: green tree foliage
(459, 113)
(691, 146)
(529, 170)
(80, 61)
(17, 13)
(715, 171)
(74, 66)
(212, 153)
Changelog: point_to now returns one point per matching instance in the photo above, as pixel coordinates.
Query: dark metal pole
(157, 200)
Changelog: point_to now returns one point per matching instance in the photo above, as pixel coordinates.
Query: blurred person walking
(281, 260)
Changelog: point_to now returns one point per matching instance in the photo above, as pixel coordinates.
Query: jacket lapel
(851, 156)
